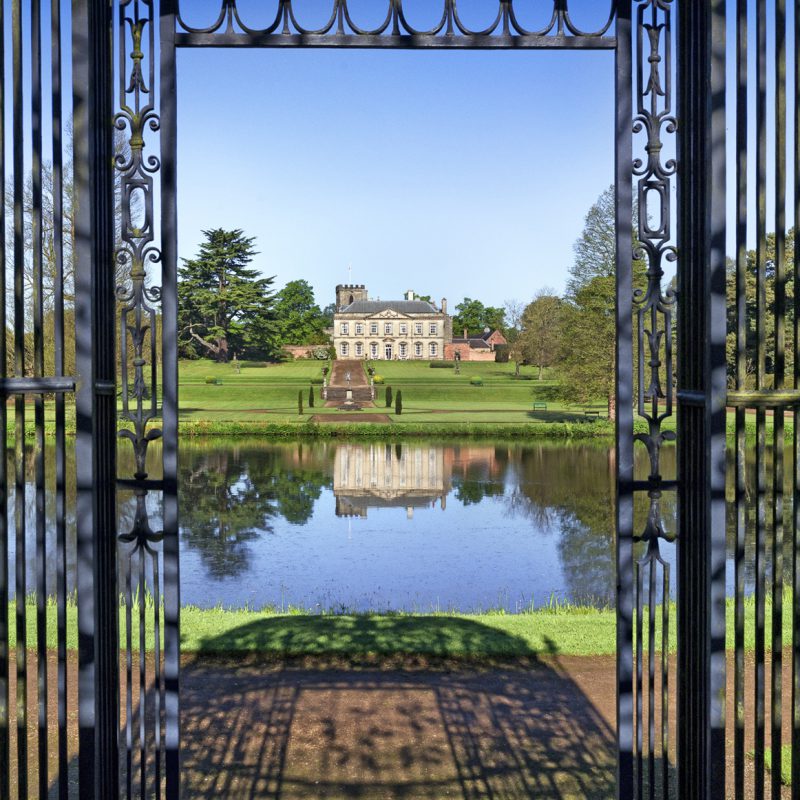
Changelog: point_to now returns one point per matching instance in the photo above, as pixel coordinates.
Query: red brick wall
(467, 353)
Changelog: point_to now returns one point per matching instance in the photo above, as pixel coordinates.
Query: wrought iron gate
(90, 242)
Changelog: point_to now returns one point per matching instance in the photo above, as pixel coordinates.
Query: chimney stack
(410, 294)
(444, 305)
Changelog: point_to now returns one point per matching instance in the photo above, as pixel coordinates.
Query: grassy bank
(255, 399)
(551, 630)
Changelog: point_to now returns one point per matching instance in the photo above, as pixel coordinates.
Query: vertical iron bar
(639, 657)
(702, 397)
(5, 739)
(169, 267)
(741, 385)
(624, 401)
(761, 319)
(98, 604)
(60, 416)
(38, 371)
(19, 405)
(776, 715)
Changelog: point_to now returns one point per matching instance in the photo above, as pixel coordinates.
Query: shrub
(317, 381)
(300, 402)
(213, 379)
(311, 397)
(442, 365)
(377, 379)
(476, 380)
(388, 397)
(398, 403)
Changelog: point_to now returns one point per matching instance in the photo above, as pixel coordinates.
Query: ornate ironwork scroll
(141, 551)
(654, 306)
(450, 30)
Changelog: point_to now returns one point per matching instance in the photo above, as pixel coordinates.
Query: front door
(388, 352)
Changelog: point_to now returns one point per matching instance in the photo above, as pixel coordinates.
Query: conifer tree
(223, 303)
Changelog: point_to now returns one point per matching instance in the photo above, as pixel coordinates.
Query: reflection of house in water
(388, 476)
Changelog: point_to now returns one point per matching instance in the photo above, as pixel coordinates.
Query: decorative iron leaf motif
(137, 250)
(654, 306)
(395, 23)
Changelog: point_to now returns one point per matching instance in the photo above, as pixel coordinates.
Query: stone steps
(361, 394)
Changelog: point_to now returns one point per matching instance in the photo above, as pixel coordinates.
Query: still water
(377, 526)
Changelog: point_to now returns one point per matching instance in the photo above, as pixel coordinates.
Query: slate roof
(473, 342)
(401, 306)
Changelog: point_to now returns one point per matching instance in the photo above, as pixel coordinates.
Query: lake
(412, 526)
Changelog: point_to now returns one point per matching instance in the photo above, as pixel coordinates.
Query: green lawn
(269, 393)
(552, 629)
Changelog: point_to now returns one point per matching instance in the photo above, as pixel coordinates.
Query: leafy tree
(474, 316)
(539, 342)
(751, 301)
(223, 304)
(589, 322)
(327, 314)
(298, 318)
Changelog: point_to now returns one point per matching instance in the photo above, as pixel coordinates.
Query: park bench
(540, 406)
(589, 414)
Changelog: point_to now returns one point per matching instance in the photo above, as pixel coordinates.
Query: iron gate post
(624, 399)
(702, 391)
(98, 603)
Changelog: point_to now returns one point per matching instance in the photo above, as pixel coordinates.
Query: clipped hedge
(476, 381)
(442, 365)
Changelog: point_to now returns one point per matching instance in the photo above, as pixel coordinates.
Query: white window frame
(418, 328)
(359, 329)
(344, 348)
(359, 348)
(403, 350)
(387, 328)
(374, 350)
(418, 349)
(432, 329)
(404, 329)
(373, 328)
(433, 349)
(344, 328)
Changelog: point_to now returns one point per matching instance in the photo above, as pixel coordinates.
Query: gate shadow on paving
(253, 730)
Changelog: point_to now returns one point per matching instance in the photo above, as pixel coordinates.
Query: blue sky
(451, 173)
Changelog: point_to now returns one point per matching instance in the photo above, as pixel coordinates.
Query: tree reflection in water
(507, 507)
(229, 496)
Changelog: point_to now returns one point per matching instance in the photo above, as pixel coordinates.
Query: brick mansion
(405, 329)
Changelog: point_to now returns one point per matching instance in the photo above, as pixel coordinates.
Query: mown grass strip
(554, 630)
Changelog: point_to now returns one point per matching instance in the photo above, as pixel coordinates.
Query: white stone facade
(390, 330)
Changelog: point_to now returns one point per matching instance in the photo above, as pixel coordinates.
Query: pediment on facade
(388, 314)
